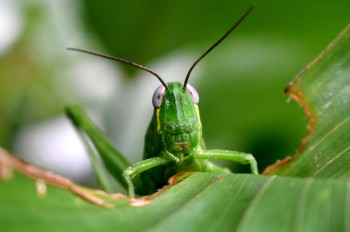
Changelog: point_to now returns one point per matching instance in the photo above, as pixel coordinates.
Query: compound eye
(158, 96)
(193, 93)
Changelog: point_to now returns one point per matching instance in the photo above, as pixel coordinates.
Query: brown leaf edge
(297, 94)
(10, 163)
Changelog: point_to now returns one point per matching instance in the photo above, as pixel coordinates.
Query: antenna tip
(252, 6)
(73, 49)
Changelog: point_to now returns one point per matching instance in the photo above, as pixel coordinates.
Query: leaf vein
(301, 205)
(329, 133)
(332, 160)
(251, 207)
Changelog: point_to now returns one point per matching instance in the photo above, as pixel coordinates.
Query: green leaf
(201, 202)
(323, 89)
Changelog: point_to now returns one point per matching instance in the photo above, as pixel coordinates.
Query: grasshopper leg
(135, 169)
(235, 156)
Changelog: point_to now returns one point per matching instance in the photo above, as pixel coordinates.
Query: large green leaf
(323, 89)
(212, 202)
(201, 202)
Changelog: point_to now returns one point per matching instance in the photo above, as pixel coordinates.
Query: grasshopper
(173, 141)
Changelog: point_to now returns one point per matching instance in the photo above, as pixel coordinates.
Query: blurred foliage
(241, 83)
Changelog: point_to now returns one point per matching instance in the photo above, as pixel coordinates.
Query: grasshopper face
(178, 117)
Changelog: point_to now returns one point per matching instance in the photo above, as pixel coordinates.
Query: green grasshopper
(173, 141)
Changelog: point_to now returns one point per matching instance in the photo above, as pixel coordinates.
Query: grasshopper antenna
(218, 42)
(123, 61)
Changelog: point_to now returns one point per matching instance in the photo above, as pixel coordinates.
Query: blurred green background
(240, 83)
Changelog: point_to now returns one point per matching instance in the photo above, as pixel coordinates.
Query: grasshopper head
(178, 117)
